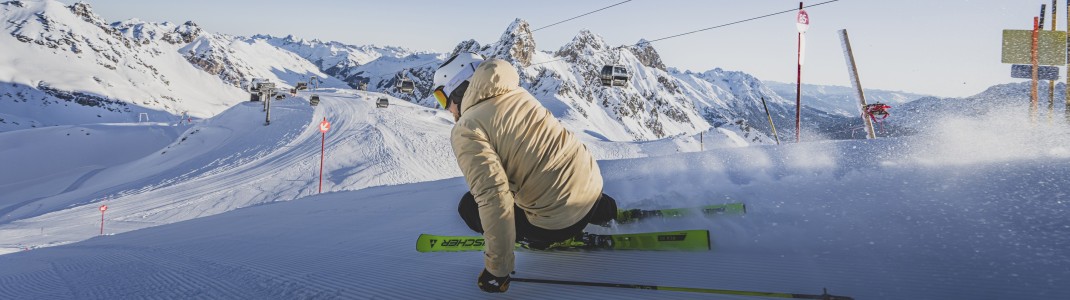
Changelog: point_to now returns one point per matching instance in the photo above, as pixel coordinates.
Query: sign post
(1034, 49)
(802, 22)
(102, 209)
(324, 127)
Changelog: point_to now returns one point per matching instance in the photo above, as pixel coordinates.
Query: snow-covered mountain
(658, 102)
(65, 65)
(168, 69)
(237, 60)
(378, 67)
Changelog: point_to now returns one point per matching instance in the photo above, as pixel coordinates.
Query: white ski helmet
(452, 74)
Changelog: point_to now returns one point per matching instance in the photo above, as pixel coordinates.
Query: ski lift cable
(694, 31)
(639, 44)
(577, 17)
(544, 27)
(540, 28)
(737, 22)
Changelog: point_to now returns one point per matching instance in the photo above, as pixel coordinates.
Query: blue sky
(947, 48)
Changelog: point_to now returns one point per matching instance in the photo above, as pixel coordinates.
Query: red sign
(103, 207)
(324, 126)
(802, 21)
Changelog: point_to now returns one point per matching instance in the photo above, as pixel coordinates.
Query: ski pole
(824, 296)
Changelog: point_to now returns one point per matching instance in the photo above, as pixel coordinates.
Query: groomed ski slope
(155, 174)
(975, 209)
(227, 162)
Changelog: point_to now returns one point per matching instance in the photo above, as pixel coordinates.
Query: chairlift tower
(314, 80)
(267, 91)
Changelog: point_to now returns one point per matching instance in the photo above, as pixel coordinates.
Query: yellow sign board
(1017, 45)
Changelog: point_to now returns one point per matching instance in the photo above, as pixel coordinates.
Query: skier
(530, 180)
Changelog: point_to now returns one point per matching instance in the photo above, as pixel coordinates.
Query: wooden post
(1066, 112)
(771, 125)
(1051, 83)
(1036, 66)
(852, 69)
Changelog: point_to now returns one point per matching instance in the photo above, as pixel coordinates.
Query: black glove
(493, 284)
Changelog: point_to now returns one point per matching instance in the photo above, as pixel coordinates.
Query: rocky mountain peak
(183, 34)
(585, 44)
(83, 10)
(466, 46)
(516, 45)
(644, 51)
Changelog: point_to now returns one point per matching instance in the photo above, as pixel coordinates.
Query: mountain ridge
(659, 102)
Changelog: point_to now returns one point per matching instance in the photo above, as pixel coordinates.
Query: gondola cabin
(405, 85)
(314, 100)
(614, 75)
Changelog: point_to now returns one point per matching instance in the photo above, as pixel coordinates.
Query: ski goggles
(443, 100)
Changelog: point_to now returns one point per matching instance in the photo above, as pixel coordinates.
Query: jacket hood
(492, 78)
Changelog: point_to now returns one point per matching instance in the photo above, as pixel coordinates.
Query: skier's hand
(493, 284)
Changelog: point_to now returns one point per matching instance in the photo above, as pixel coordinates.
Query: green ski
(632, 215)
(687, 240)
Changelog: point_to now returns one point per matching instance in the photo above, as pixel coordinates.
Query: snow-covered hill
(950, 214)
(917, 116)
(233, 161)
(840, 100)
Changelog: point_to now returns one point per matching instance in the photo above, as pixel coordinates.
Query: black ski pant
(603, 211)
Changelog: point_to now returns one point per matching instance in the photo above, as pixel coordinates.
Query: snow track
(966, 218)
(232, 161)
(957, 242)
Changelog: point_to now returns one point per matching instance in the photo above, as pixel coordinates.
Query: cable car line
(616, 74)
(694, 31)
(736, 22)
(408, 86)
(577, 17)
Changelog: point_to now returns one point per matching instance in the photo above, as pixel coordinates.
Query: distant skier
(530, 180)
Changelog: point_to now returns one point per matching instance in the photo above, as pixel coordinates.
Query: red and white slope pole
(802, 22)
(324, 126)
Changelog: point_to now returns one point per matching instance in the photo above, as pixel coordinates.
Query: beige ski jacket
(513, 151)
